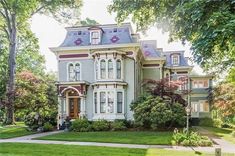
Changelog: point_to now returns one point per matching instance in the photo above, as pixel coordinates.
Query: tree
(87, 22)
(167, 90)
(14, 15)
(36, 99)
(208, 25)
(224, 101)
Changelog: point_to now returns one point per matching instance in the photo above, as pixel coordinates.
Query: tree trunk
(11, 72)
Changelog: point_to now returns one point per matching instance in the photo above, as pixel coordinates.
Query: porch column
(82, 113)
(60, 111)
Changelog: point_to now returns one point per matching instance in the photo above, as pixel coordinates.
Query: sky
(51, 33)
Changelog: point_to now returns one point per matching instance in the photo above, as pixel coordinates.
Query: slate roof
(168, 54)
(149, 48)
(80, 36)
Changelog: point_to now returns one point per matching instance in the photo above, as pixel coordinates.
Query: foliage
(14, 16)
(208, 25)
(190, 139)
(80, 125)
(36, 99)
(206, 122)
(233, 134)
(100, 125)
(167, 90)
(87, 22)
(47, 127)
(156, 113)
(224, 101)
(217, 123)
(118, 125)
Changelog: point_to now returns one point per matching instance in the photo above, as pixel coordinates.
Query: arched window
(119, 69)
(77, 71)
(110, 69)
(102, 69)
(71, 72)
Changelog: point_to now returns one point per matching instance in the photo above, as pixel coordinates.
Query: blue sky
(51, 33)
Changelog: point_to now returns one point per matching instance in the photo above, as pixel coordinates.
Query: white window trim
(178, 59)
(114, 61)
(208, 82)
(99, 39)
(74, 63)
(201, 102)
(106, 102)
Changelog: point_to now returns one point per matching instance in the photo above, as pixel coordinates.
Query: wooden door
(74, 107)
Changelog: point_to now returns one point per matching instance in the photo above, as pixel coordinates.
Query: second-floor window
(200, 84)
(175, 59)
(110, 69)
(74, 72)
(102, 69)
(119, 69)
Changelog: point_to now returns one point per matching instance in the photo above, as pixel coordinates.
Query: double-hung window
(110, 102)
(175, 59)
(119, 102)
(110, 69)
(77, 72)
(102, 69)
(119, 69)
(71, 72)
(102, 102)
(95, 37)
(95, 101)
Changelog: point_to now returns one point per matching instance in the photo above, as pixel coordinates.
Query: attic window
(95, 37)
(115, 30)
(79, 32)
(175, 59)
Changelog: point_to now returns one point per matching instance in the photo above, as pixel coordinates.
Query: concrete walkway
(28, 139)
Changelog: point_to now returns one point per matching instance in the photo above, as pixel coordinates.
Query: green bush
(206, 122)
(154, 112)
(100, 125)
(217, 123)
(80, 125)
(118, 125)
(190, 139)
(47, 127)
(233, 134)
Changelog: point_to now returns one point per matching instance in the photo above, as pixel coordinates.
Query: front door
(74, 107)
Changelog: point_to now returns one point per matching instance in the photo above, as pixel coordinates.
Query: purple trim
(151, 65)
(129, 53)
(183, 72)
(73, 55)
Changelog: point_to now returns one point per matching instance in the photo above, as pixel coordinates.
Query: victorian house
(101, 68)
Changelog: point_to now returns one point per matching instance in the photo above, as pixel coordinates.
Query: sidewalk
(28, 139)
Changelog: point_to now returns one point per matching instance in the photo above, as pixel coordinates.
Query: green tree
(208, 25)
(88, 22)
(14, 15)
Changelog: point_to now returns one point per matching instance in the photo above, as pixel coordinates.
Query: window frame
(112, 69)
(95, 38)
(74, 72)
(101, 69)
(197, 84)
(117, 106)
(173, 61)
(117, 69)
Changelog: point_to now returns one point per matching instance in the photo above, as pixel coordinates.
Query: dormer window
(115, 30)
(95, 37)
(175, 59)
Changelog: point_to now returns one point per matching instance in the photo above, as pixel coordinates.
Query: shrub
(217, 123)
(190, 139)
(80, 125)
(118, 125)
(154, 112)
(47, 127)
(206, 122)
(100, 125)
(233, 134)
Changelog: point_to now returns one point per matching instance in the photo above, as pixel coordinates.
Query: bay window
(102, 102)
(119, 102)
(110, 69)
(102, 69)
(119, 67)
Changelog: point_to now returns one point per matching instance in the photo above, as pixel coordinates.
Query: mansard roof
(182, 62)
(149, 49)
(110, 34)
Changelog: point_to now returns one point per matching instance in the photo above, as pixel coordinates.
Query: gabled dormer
(95, 35)
(175, 59)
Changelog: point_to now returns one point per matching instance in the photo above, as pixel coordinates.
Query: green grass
(224, 133)
(22, 149)
(143, 137)
(13, 131)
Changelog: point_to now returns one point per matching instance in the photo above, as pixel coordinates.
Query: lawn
(13, 131)
(224, 133)
(142, 137)
(22, 149)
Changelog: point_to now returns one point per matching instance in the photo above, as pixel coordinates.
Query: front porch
(71, 101)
